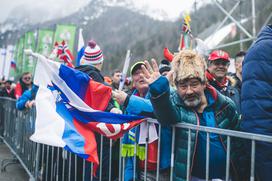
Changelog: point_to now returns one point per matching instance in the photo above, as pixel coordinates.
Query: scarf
(212, 80)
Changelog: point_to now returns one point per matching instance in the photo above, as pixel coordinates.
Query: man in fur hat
(195, 102)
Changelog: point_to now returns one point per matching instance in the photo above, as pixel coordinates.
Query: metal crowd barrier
(48, 163)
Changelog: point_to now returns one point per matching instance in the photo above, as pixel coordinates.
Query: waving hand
(151, 74)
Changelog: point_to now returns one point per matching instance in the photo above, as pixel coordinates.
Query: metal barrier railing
(43, 162)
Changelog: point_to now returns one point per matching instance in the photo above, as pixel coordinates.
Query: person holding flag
(75, 106)
(91, 63)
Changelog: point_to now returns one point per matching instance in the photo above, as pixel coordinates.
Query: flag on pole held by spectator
(186, 34)
(65, 54)
(80, 47)
(70, 105)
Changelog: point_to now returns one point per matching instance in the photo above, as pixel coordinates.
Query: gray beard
(192, 104)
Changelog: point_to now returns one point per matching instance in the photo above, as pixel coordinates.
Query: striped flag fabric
(70, 108)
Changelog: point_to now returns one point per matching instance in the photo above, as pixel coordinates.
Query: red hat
(219, 54)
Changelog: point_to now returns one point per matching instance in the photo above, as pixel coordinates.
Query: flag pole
(4, 61)
(124, 72)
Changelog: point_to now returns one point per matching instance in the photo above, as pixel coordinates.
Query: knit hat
(92, 54)
(219, 54)
(164, 66)
(188, 64)
(136, 66)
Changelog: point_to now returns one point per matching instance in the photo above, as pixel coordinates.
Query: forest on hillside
(117, 29)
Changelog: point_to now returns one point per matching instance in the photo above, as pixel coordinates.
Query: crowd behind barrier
(48, 163)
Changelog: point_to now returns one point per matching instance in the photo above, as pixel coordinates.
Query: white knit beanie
(92, 54)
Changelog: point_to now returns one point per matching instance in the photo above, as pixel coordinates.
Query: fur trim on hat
(188, 64)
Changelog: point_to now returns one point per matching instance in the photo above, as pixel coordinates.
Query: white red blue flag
(70, 107)
(80, 47)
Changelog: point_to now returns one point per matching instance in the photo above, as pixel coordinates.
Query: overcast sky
(56, 5)
(173, 8)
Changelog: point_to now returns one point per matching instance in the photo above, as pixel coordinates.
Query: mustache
(221, 69)
(191, 96)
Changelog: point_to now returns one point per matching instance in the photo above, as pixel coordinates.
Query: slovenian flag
(69, 107)
(80, 47)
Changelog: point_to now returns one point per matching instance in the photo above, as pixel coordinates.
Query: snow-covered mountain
(24, 15)
(118, 25)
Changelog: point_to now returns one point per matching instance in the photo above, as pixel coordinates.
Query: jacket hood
(265, 33)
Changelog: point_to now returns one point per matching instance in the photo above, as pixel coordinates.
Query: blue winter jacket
(27, 96)
(257, 85)
(140, 106)
(256, 97)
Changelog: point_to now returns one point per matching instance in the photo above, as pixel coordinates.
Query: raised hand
(151, 74)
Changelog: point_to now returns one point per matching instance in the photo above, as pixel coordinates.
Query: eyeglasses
(220, 62)
(27, 78)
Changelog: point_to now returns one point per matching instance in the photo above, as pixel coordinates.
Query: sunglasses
(220, 62)
(26, 78)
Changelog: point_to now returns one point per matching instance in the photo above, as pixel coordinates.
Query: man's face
(238, 64)
(138, 80)
(116, 77)
(191, 92)
(27, 79)
(219, 68)
(7, 85)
